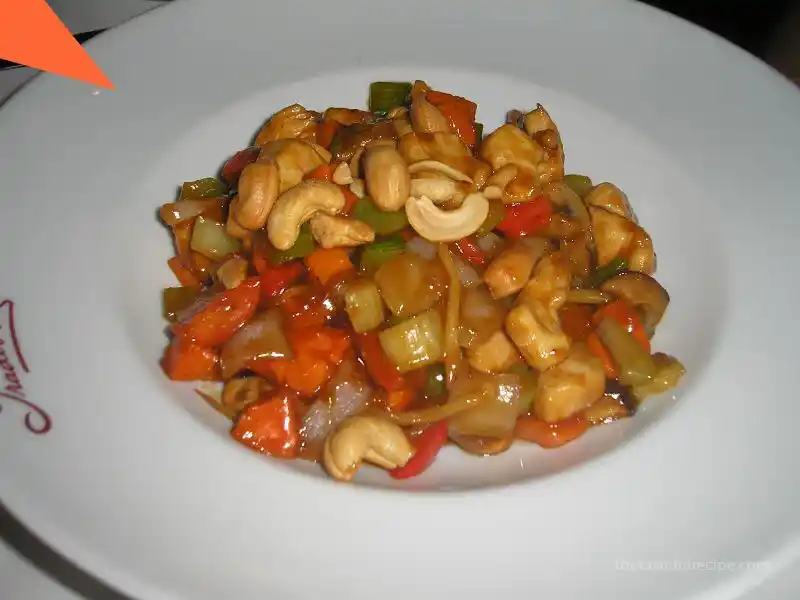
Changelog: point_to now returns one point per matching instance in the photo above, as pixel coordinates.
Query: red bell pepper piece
(428, 445)
(215, 322)
(271, 427)
(276, 280)
(185, 361)
(470, 251)
(378, 364)
(526, 218)
(236, 164)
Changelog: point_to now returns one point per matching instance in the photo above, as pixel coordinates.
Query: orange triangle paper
(31, 34)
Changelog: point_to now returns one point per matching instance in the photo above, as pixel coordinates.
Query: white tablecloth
(41, 576)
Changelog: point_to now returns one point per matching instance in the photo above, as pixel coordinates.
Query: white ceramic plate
(136, 480)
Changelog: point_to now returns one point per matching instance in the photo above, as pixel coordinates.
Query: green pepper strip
(209, 187)
(377, 253)
(497, 212)
(383, 223)
(176, 299)
(302, 247)
(384, 95)
(600, 275)
(435, 385)
(580, 184)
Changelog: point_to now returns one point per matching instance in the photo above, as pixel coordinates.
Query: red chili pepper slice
(428, 445)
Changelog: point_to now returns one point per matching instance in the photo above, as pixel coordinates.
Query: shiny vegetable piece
(606, 410)
(382, 222)
(410, 285)
(497, 213)
(668, 375)
(428, 445)
(644, 293)
(528, 381)
(526, 218)
(496, 413)
(597, 277)
(435, 385)
(470, 251)
(481, 317)
(636, 366)
(377, 253)
(580, 184)
(378, 365)
(327, 264)
(233, 168)
(414, 343)
(217, 320)
(210, 239)
(209, 187)
(550, 435)
(363, 305)
(185, 361)
(624, 314)
(453, 360)
(175, 300)
(385, 95)
(304, 246)
(277, 279)
(307, 306)
(271, 427)
(261, 337)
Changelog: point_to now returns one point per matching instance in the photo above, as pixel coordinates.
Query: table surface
(28, 569)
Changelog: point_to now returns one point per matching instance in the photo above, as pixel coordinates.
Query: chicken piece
(570, 386)
(618, 237)
(510, 271)
(292, 122)
(495, 355)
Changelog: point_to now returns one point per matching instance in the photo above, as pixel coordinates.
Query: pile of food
(370, 285)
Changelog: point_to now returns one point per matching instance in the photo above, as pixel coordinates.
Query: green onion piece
(383, 223)
(580, 184)
(384, 95)
(529, 380)
(597, 277)
(478, 131)
(636, 366)
(210, 239)
(416, 342)
(497, 212)
(377, 253)
(381, 114)
(209, 187)
(363, 304)
(176, 299)
(435, 385)
(302, 247)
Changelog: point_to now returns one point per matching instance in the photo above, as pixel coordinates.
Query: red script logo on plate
(12, 369)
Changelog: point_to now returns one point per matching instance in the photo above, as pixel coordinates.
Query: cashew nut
(342, 174)
(509, 145)
(258, 190)
(294, 121)
(232, 272)
(425, 117)
(232, 226)
(360, 438)
(438, 225)
(387, 177)
(294, 158)
(438, 167)
(297, 205)
(439, 190)
(357, 187)
(355, 162)
(613, 199)
(331, 232)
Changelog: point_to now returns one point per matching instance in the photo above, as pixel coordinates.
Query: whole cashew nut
(297, 205)
(438, 225)
(387, 177)
(332, 232)
(294, 158)
(439, 167)
(361, 438)
(258, 190)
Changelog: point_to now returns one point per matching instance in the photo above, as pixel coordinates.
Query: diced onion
(421, 247)
(210, 239)
(496, 413)
(467, 275)
(416, 342)
(262, 337)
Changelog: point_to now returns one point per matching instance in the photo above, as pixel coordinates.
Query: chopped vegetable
(302, 247)
(606, 410)
(435, 385)
(410, 285)
(271, 427)
(184, 276)
(326, 132)
(385, 95)
(277, 279)
(363, 305)
(382, 222)
(177, 299)
(550, 435)
(324, 172)
(401, 399)
(185, 361)
(636, 366)
(261, 337)
(668, 374)
(326, 264)
(459, 112)
(375, 254)
(378, 364)
(600, 275)
(218, 319)
(587, 296)
(233, 168)
(497, 213)
(307, 306)
(209, 187)
(453, 360)
(495, 415)
(210, 239)
(580, 184)
(179, 212)
(478, 131)
(576, 321)
(481, 317)
(526, 218)
(414, 343)
(528, 381)
(623, 313)
(470, 251)
(427, 445)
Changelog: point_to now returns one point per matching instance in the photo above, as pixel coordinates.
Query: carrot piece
(327, 263)
(399, 400)
(599, 350)
(350, 200)
(217, 321)
(304, 373)
(203, 266)
(182, 274)
(182, 233)
(306, 306)
(326, 132)
(324, 171)
(550, 435)
(576, 321)
(271, 427)
(624, 313)
(185, 361)
(378, 365)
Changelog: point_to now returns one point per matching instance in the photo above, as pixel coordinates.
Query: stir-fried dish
(371, 285)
